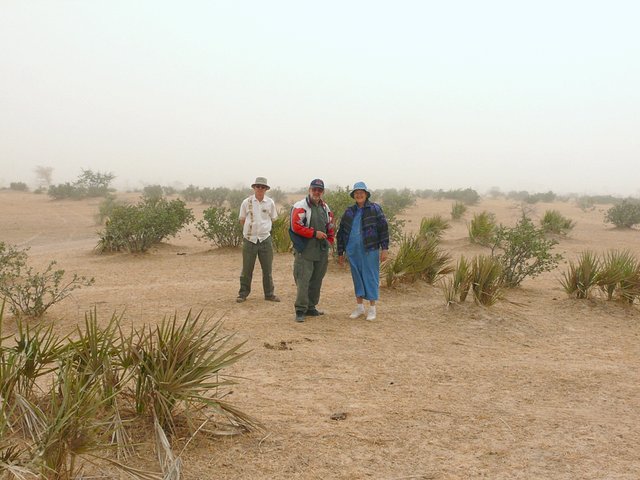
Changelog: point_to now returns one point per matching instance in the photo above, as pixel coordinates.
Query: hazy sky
(533, 95)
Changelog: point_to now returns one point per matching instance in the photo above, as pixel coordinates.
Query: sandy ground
(538, 386)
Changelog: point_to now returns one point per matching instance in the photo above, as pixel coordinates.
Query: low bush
(468, 196)
(458, 209)
(554, 222)
(106, 208)
(624, 215)
(32, 293)
(523, 251)
(19, 186)
(221, 227)
(88, 184)
(482, 228)
(135, 228)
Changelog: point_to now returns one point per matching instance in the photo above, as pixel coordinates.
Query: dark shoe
(314, 312)
(299, 317)
(272, 298)
(240, 299)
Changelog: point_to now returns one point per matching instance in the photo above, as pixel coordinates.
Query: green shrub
(433, 227)
(482, 228)
(191, 193)
(624, 215)
(31, 293)
(106, 208)
(585, 203)
(135, 228)
(152, 193)
(485, 277)
(581, 277)
(19, 186)
(221, 227)
(523, 251)
(541, 197)
(554, 222)
(417, 259)
(394, 201)
(338, 200)
(277, 195)
(88, 184)
(280, 231)
(458, 209)
(468, 196)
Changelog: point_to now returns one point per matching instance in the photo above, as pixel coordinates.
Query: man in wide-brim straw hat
(256, 215)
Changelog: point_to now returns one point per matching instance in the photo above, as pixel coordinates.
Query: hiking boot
(299, 317)
(272, 298)
(314, 312)
(241, 299)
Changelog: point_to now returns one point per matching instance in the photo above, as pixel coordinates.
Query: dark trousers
(264, 251)
(308, 275)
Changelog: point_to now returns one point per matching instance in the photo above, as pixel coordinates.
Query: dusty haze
(419, 94)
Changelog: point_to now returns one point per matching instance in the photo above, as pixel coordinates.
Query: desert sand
(539, 386)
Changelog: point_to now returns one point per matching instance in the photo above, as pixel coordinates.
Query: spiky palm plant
(417, 258)
(280, 232)
(616, 267)
(554, 222)
(458, 209)
(433, 227)
(581, 277)
(178, 367)
(482, 228)
(486, 279)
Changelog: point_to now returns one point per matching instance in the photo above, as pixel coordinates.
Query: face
(316, 194)
(259, 190)
(360, 196)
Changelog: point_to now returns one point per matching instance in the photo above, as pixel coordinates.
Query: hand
(341, 260)
(383, 255)
(321, 235)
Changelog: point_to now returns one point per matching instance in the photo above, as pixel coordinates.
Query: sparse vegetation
(468, 196)
(554, 222)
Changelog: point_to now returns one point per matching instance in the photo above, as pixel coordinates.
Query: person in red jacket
(312, 231)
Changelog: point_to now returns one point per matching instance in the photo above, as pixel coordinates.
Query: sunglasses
(261, 187)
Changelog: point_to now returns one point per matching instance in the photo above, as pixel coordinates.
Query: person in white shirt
(256, 215)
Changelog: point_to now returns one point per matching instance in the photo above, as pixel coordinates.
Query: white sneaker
(358, 312)
(371, 314)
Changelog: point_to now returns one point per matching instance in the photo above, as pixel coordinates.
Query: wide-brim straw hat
(261, 181)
